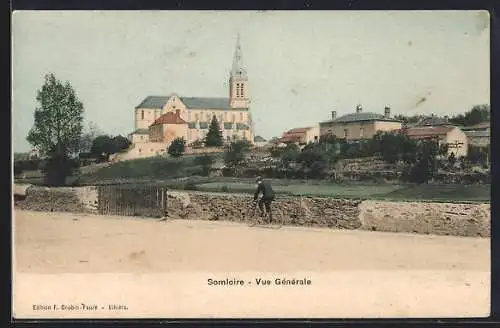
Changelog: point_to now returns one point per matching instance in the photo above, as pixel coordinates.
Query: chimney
(359, 109)
(334, 114)
(387, 112)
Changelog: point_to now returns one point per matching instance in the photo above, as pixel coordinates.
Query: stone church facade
(161, 119)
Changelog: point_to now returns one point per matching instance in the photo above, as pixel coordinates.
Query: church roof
(218, 103)
(363, 116)
(205, 103)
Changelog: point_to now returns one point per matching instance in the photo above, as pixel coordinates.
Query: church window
(142, 114)
(361, 131)
(196, 117)
(234, 117)
(241, 116)
(345, 133)
(241, 90)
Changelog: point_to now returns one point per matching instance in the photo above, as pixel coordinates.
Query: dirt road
(429, 270)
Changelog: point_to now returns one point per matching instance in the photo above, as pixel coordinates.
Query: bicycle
(254, 219)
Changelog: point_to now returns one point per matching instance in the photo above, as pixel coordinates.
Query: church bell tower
(238, 81)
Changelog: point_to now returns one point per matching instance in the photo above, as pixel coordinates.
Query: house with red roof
(302, 135)
(451, 135)
(168, 127)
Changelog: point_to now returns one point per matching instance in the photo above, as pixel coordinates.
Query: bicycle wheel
(276, 224)
(250, 216)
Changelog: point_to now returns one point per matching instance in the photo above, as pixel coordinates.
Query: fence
(146, 201)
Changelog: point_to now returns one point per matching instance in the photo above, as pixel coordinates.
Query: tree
(289, 155)
(235, 154)
(214, 135)
(120, 143)
(477, 114)
(57, 127)
(177, 147)
(313, 162)
(102, 147)
(88, 136)
(425, 167)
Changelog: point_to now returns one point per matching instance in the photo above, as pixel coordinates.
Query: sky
(301, 64)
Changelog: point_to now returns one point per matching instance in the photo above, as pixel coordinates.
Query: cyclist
(267, 198)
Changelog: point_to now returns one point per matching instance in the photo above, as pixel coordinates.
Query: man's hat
(259, 178)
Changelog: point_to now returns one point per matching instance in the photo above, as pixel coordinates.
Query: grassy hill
(183, 173)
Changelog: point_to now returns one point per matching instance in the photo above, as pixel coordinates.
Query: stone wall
(410, 217)
(427, 218)
(80, 199)
(306, 211)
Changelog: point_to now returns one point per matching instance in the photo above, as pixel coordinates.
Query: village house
(259, 142)
(359, 125)
(300, 136)
(478, 135)
(450, 135)
(161, 119)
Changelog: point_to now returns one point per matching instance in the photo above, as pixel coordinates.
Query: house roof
(428, 131)
(290, 138)
(358, 117)
(477, 134)
(479, 126)
(157, 102)
(297, 130)
(170, 118)
(259, 139)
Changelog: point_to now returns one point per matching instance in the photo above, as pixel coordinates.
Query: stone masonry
(410, 217)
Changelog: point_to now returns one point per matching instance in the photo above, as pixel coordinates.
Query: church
(161, 119)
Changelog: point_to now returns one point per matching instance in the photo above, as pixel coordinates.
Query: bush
(206, 162)
(177, 147)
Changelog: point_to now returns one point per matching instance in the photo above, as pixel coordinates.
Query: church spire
(238, 71)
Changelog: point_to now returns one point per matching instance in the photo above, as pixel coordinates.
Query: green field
(153, 168)
(424, 192)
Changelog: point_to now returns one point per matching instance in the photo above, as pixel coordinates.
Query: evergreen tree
(214, 135)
